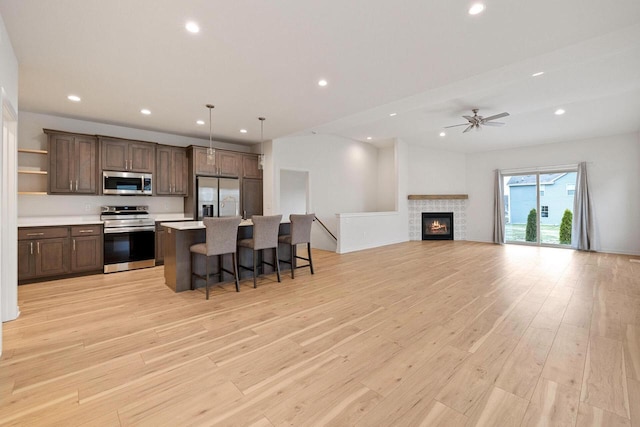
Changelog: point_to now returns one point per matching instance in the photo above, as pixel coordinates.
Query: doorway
(294, 192)
(539, 207)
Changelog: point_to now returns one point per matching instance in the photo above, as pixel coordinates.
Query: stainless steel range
(129, 238)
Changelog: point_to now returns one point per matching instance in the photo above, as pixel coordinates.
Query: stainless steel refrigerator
(217, 196)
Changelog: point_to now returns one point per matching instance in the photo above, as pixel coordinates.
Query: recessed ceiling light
(369, 138)
(192, 27)
(243, 131)
(74, 98)
(145, 111)
(322, 83)
(539, 73)
(559, 112)
(393, 114)
(443, 134)
(476, 9)
(200, 122)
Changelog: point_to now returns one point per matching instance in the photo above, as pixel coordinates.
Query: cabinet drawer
(30, 233)
(86, 230)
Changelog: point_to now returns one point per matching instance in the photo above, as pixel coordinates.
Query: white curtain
(582, 228)
(498, 209)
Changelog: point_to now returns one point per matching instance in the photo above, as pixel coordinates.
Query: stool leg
(309, 252)
(191, 260)
(293, 260)
(277, 263)
(220, 272)
(206, 277)
(255, 268)
(235, 270)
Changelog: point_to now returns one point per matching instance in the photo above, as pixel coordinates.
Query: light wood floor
(420, 333)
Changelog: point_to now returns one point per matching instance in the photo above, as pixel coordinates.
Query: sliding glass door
(539, 207)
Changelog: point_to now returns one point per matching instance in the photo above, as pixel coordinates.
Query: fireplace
(437, 225)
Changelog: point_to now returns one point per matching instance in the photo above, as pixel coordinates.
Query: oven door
(127, 249)
(126, 183)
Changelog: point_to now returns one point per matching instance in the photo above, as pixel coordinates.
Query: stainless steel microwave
(127, 183)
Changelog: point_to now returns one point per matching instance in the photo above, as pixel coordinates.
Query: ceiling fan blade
(467, 129)
(470, 118)
(463, 124)
(497, 116)
(498, 124)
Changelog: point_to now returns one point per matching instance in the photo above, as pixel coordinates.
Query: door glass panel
(521, 199)
(556, 207)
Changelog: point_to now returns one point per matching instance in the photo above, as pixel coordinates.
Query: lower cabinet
(57, 251)
(86, 248)
(160, 231)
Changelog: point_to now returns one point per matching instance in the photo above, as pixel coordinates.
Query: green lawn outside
(550, 233)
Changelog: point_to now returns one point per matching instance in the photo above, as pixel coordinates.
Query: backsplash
(30, 206)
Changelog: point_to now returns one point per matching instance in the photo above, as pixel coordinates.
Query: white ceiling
(427, 60)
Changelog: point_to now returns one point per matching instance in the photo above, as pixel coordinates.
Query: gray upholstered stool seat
(300, 233)
(221, 238)
(265, 236)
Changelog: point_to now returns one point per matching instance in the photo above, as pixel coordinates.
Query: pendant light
(261, 157)
(211, 152)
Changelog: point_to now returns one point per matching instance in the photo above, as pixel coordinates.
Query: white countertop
(171, 217)
(45, 221)
(196, 225)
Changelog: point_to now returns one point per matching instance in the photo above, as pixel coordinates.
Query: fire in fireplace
(437, 225)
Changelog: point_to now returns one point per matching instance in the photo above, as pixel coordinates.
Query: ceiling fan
(476, 121)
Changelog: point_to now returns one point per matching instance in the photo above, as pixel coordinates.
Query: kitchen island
(177, 257)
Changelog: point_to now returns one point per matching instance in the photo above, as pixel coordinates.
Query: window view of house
(535, 207)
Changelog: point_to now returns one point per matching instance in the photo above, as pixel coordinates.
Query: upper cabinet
(73, 163)
(250, 167)
(125, 155)
(227, 163)
(171, 175)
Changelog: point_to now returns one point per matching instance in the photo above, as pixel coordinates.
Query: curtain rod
(555, 168)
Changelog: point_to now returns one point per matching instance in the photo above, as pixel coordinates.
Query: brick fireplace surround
(456, 203)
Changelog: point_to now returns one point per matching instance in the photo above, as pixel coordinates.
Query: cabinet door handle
(31, 244)
(38, 246)
(76, 185)
(35, 234)
(85, 231)
(70, 185)
(74, 245)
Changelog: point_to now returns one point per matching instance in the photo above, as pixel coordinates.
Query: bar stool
(300, 233)
(265, 236)
(221, 235)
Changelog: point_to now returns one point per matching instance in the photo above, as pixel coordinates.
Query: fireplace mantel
(437, 196)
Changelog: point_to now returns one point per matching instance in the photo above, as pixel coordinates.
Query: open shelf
(32, 151)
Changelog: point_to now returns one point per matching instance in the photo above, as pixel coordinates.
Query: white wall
(31, 136)
(387, 180)
(358, 231)
(343, 177)
(433, 171)
(8, 168)
(293, 192)
(614, 183)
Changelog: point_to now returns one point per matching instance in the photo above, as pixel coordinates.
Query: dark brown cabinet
(73, 163)
(57, 251)
(250, 168)
(251, 197)
(42, 252)
(86, 248)
(172, 169)
(160, 232)
(227, 163)
(126, 155)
